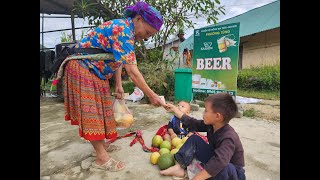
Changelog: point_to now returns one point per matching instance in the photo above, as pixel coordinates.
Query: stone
(76, 169)
(45, 178)
(85, 164)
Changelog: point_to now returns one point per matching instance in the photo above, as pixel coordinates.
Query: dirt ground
(65, 156)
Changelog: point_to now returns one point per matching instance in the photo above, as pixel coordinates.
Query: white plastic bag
(137, 95)
(122, 114)
(194, 168)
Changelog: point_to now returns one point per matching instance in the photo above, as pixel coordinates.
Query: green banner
(215, 59)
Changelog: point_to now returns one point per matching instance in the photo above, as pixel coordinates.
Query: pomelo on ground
(164, 150)
(156, 140)
(165, 144)
(154, 157)
(165, 161)
(176, 141)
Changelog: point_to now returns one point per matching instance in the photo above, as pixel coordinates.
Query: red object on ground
(141, 141)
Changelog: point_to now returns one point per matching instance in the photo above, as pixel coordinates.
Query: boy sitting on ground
(222, 158)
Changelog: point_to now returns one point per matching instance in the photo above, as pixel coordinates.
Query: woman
(87, 92)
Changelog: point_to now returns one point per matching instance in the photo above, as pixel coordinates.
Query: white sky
(232, 8)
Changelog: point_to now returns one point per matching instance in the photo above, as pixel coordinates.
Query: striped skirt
(88, 103)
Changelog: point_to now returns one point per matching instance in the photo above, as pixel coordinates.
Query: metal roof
(59, 6)
(253, 21)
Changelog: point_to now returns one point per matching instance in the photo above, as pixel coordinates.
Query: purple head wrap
(148, 13)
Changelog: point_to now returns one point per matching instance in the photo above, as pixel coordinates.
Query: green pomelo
(165, 144)
(164, 150)
(165, 161)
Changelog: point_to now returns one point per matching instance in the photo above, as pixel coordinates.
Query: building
(259, 36)
(171, 53)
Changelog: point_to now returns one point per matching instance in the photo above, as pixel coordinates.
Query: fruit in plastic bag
(122, 114)
(125, 121)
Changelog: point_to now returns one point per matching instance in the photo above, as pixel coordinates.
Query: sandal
(110, 148)
(110, 165)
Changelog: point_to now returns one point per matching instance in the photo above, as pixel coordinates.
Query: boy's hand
(171, 108)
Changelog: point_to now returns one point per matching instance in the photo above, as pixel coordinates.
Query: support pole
(72, 25)
(42, 32)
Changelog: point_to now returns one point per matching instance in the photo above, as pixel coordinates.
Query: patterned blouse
(116, 37)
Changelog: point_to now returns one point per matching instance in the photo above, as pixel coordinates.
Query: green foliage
(257, 82)
(128, 86)
(200, 96)
(271, 95)
(175, 13)
(250, 113)
(154, 55)
(68, 37)
(159, 78)
(260, 78)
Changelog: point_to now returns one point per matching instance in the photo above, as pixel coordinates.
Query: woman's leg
(88, 104)
(102, 154)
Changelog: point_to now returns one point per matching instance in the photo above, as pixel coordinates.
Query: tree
(176, 14)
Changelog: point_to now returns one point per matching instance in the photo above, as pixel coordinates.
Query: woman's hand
(156, 100)
(118, 92)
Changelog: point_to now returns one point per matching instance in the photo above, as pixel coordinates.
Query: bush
(260, 78)
(250, 113)
(159, 78)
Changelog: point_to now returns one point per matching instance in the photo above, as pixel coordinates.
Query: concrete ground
(64, 156)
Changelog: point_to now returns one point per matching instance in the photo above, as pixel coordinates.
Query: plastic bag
(194, 168)
(122, 114)
(137, 95)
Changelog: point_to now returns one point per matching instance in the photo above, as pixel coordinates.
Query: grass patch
(270, 95)
(250, 112)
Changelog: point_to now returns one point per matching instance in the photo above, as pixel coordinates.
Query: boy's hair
(188, 105)
(223, 103)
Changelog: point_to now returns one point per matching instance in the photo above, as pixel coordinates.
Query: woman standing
(88, 103)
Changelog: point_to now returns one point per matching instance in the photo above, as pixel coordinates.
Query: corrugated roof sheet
(253, 21)
(62, 6)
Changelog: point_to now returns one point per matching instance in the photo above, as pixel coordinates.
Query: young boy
(222, 158)
(175, 127)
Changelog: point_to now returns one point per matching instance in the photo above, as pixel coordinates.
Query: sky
(232, 8)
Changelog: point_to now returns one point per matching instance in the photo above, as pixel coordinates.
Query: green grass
(249, 113)
(270, 95)
(128, 87)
